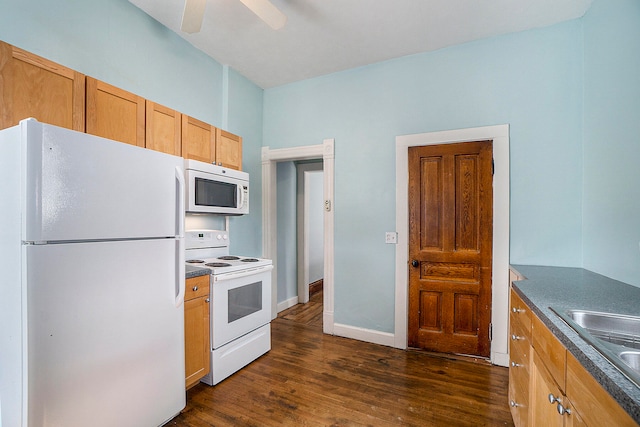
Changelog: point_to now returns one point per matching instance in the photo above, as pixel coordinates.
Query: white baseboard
(287, 303)
(362, 334)
(500, 359)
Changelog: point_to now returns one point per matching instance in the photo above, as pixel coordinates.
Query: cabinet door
(228, 150)
(543, 412)
(163, 129)
(596, 406)
(196, 330)
(114, 113)
(198, 140)
(31, 86)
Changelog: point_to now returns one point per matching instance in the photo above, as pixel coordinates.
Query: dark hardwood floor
(312, 379)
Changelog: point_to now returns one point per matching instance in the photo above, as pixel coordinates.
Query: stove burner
(229, 258)
(249, 260)
(194, 261)
(217, 264)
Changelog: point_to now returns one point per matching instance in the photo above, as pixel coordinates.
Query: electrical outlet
(391, 237)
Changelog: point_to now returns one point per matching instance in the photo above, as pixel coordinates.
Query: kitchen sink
(615, 336)
(631, 358)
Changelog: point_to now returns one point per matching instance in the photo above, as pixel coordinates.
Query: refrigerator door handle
(180, 212)
(180, 272)
(180, 201)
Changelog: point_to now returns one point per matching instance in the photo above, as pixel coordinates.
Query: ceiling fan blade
(267, 12)
(193, 15)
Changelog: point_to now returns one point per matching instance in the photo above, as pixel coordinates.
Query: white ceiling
(325, 36)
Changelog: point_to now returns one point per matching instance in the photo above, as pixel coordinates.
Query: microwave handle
(241, 198)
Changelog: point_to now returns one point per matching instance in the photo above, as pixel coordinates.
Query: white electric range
(240, 302)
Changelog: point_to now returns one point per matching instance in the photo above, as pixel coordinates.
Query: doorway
(270, 159)
(499, 134)
(310, 229)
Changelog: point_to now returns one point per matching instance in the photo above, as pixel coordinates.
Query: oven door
(241, 303)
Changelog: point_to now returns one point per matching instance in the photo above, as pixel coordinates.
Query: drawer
(519, 353)
(520, 313)
(196, 287)
(550, 350)
(519, 343)
(519, 402)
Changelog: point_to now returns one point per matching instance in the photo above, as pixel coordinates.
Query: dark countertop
(191, 271)
(576, 288)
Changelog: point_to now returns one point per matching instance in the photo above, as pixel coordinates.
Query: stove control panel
(206, 238)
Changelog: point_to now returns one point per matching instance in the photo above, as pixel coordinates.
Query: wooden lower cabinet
(519, 363)
(196, 329)
(547, 385)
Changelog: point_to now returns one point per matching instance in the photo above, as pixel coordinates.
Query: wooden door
(31, 86)
(163, 129)
(198, 140)
(450, 247)
(115, 113)
(228, 150)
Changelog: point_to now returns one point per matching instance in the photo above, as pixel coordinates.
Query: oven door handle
(239, 274)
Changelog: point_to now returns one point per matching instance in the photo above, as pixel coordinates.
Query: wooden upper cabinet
(163, 129)
(115, 113)
(31, 86)
(198, 140)
(228, 150)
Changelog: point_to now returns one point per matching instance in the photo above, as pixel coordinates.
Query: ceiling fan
(194, 12)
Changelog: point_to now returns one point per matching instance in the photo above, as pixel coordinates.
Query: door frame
(270, 157)
(501, 200)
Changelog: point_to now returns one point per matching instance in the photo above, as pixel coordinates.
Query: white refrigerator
(91, 281)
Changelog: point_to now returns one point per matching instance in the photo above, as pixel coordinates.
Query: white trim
(269, 216)
(287, 304)
(362, 334)
(500, 277)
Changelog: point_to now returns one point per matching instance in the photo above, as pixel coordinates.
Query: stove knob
(219, 236)
(224, 236)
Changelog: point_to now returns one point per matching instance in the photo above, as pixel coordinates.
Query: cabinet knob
(415, 263)
(562, 410)
(513, 404)
(516, 365)
(553, 399)
(195, 288)
(516, 337)
(517, 310)
(207, 300)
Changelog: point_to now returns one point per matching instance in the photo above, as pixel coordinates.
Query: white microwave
(215, 190)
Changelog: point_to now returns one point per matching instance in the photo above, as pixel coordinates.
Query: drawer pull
(518, 310)
(516, 337)
(195, 288)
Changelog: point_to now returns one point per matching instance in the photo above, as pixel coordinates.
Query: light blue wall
(612, 139)
(531, 80)
(116, 42)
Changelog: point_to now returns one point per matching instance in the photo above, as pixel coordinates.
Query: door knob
(415, 263)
